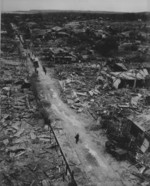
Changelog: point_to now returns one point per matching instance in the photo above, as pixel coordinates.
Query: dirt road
(92, 161)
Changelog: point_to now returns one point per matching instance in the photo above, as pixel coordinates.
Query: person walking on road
(77, 138)
(44, 69)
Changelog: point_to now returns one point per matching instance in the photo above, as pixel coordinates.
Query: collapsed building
(59, 55)
(131, 78)
(128, 139)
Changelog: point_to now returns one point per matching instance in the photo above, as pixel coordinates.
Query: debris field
(101, 65)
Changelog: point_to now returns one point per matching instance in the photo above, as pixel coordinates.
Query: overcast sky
(101, 5)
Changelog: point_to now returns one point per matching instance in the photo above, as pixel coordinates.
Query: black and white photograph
(75, 93)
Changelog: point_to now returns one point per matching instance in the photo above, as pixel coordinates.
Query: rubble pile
(87, 85)
(28, 152)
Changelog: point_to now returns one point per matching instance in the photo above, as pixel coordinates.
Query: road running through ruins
(92, 161)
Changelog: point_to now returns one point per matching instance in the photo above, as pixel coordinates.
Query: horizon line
(69, 10)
